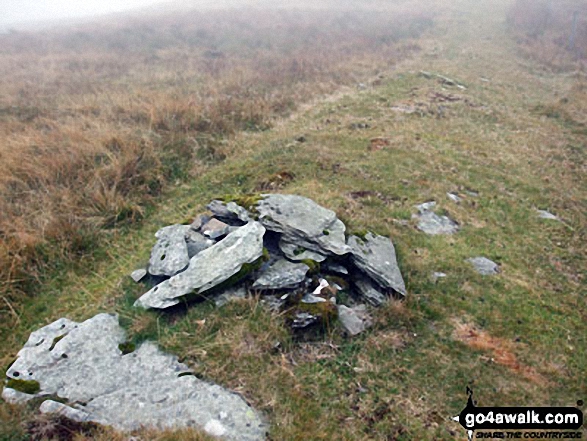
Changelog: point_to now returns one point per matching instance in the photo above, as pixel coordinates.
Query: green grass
(405, 377)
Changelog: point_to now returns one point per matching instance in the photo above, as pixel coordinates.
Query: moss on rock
(25, 386)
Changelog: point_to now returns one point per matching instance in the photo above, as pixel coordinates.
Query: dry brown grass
(553, 32)
(95, 120)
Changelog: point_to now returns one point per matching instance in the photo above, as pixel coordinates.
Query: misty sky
(23, 11)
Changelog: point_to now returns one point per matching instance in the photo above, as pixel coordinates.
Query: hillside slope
(508, 143)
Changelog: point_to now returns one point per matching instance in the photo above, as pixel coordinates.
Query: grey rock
(454, 197)
(295, 252)
(53, 407)
(303, 222)
(543, 214)
(335, 268)
(143, 388)
(199, 221)
(375, 256)
(230, 210)
(437, 275)
(137, 275)
(353, 320)
(367, 290)
(311, 298)
(230, 294)
(209, 268)
(426, 207)
(274, 303)
(433, 224)
(214, 229)
(484, 266)
(281, 275)
(170, 254)
(304, 319)
(196, 242)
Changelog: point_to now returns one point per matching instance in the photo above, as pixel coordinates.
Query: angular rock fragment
(304, 319)
(367, 290)
(375, 256)
(214, 229)
(169, 256)
(229, 210)
(296, 252)
(454, 197)
(209, 268)
(437, 275)
(137, 275)
(281, 275)
(303, 222)
(196, 242)
(335, 268)
(543, 214)
(199, 221)
(433, 224)
(82, 363)
(484, 266)
(353, 320)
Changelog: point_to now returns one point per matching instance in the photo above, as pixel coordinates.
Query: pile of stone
(287, 248)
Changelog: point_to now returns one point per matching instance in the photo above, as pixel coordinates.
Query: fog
(22, 12)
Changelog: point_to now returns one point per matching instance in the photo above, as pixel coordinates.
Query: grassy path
(517, 338)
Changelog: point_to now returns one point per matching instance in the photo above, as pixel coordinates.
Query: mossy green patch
(127, 347)
(56, 340)
(247, 201)
(313, 265)
(25, 386)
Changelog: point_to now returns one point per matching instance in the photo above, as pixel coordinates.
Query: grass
(517, 338)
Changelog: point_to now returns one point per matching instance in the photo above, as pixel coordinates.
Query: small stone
(281, 275)
(310, 298)
(169, 256)
(353, 320)
(229, 211)
(437, 275)
(303, 320)
(54, 407)
(215, 229)
(454, 197)
(426, 206)
(484, 266)
(199, 221)
(335, 268)
(137, 275)
(543, 214)
(433, 224)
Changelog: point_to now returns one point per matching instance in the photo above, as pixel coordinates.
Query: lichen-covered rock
(281, 275)
(375, 256)
(170, 254)
(303, 222)
(82, 363)
(209, 268)
(484, 266)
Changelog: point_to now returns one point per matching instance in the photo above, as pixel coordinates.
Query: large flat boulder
(375, 256)
(209, 267)
(84, 364)
(303, 222)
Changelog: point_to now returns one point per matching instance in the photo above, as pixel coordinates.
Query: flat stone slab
(82, 363)
(170, 254)
(484, 266)
(433, 224)
(375, 256)
(303, 222)
(281, 275)
(209, 267)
